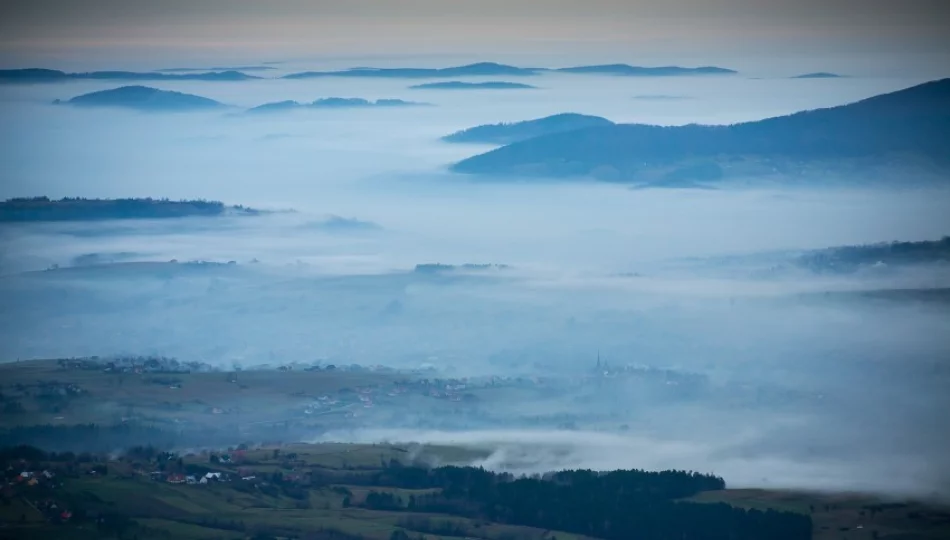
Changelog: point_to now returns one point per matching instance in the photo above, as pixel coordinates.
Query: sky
(909, 32)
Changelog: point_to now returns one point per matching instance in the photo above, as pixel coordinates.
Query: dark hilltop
(818, 75)
(144, 98)
(507, 133)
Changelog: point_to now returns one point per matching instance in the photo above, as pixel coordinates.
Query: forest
(26, 209)
(613, 505)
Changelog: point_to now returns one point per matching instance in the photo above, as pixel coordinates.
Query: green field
(229, 510)
(846, 516)
(242, 509)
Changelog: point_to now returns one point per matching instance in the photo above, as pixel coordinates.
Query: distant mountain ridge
(479, 69)
(492, 69)
(460, 85)
(144, 98)
(640, 71)
(519, 131)
(470, 70)
(229, 68)
(36, 75)
(909, 124)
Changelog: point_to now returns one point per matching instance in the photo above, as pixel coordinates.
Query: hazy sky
(616, 30)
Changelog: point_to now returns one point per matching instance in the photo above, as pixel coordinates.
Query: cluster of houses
(27, 480)
(134, 364)
(190, 479)
(450, 389)
(54, 512)
(31, 478)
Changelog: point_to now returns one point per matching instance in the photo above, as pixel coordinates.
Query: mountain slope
(908, 124)
(519, 131)
(144, 98)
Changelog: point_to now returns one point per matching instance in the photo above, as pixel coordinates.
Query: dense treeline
(616, 505)
(849, 258)
(80, 209)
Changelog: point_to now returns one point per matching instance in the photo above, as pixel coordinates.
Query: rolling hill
(144, 98)
(910, 125)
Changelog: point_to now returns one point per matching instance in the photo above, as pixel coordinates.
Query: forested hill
(144, 98)
(616, 505)
(519, 131)
(910, 124)
(79, 209)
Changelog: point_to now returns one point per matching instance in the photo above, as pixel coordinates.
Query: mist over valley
(401, 268)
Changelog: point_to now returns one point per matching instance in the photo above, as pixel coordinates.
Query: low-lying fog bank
(731, 455)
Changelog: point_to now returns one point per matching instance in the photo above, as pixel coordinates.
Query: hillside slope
(507, 133)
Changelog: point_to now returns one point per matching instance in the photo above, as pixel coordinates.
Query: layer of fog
(312, 159)
(349, 297)
(554, 228)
